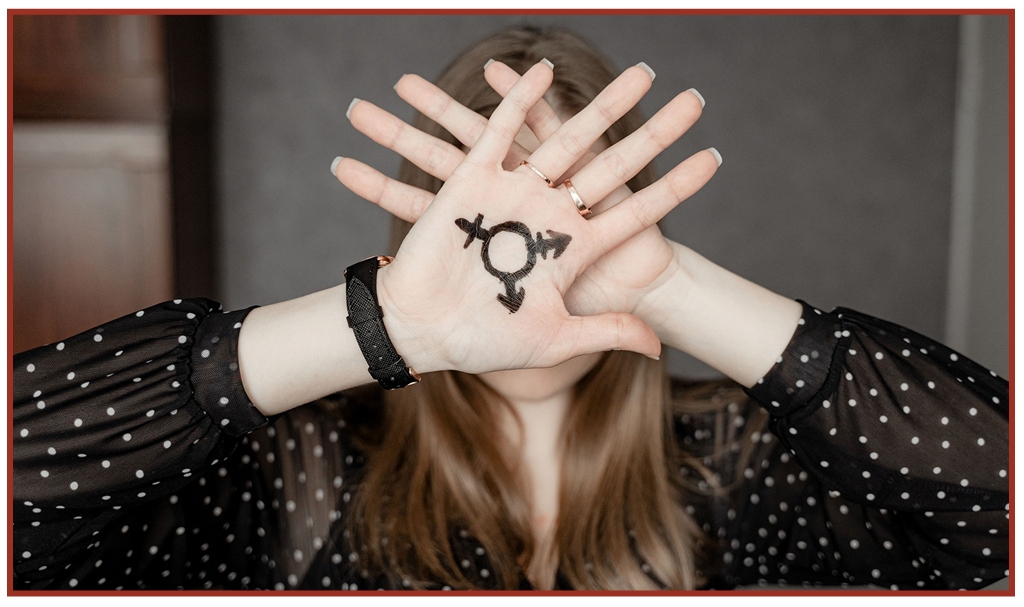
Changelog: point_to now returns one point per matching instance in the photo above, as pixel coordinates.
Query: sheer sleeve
(886, 464)
(118, 433)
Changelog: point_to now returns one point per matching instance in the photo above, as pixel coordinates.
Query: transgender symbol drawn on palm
(513, 298)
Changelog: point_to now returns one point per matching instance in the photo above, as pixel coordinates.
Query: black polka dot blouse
(868, 455)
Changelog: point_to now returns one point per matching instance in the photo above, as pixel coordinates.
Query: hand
(730, 323)
(451, 303)
(616, 281)
(624, 276)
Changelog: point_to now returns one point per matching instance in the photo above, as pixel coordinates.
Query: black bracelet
(366, 318)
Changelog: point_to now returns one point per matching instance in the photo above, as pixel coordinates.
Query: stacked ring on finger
(581, 208)
(527, 164)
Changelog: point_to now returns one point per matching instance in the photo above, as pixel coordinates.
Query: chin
(540, 384)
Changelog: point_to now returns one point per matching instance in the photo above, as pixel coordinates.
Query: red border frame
(510, 11)
(799, 591)
(1012, 147)
(10, 299)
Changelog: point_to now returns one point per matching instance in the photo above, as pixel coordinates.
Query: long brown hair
(442, 465)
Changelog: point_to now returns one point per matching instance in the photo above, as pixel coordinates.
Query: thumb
(609, 331)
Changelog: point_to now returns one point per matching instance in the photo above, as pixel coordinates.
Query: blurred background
(866, 157)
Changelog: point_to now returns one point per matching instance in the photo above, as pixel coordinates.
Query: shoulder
(709, 409)
(336, 426)
(718, 428)
(704, 395)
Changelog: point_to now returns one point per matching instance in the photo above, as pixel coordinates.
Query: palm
(612, 260)
(618, 281)
(447, 288)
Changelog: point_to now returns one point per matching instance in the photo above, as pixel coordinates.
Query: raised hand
(621, 279)
(478, 284)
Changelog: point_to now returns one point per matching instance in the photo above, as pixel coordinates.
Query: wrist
(409, 334)
(296, 351)
(721, 319)
(662, 304)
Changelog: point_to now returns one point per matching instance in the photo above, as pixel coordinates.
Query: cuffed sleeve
(116, 417)
(890, 462)
(216, 381)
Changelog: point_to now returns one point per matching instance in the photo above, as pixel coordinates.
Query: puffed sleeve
(888, 463)
(111, 429)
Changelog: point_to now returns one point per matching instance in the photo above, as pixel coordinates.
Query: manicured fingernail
(646, 68)
(547, 63)
(697, 95)
(355, 100)
(488, 64)
(718, 156)
(334, 165)
(654, 357)
(396, 84)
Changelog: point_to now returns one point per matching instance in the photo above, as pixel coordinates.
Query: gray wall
(837, 134)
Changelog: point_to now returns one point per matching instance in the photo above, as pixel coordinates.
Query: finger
(622, 161)
(436, 157)
(578, 134)
(609, 331)
(401, 200)
(541, 119)
(646, 207)
(463, 123)
(493, 145)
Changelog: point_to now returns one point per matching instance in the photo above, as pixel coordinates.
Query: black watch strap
(366, 318)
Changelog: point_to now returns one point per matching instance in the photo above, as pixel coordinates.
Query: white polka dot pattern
(171, 482)
(131, 377)
(907, 448)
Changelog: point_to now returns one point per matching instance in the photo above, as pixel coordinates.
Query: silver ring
(537, 171)
(581, 208)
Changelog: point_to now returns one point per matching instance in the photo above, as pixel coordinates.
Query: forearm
(297, 351)
(721, 319)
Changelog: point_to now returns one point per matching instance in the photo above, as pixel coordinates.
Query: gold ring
(580, 207)
(537, 171)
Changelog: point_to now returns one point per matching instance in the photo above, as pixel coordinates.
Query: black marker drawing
(512, 298)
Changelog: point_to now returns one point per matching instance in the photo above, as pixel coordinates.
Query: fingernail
(654, 357)
(396, 85)
(646, 68)
(697, 95)
(355, 100)
(718, 156)
(488, 64)
(547, 63)
(334, 165)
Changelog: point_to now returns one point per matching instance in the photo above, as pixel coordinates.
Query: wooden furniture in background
(190, 76)
(112, 181)
(89, 67)
(92, 226)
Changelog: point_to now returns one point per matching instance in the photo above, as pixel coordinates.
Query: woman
(527, 457)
